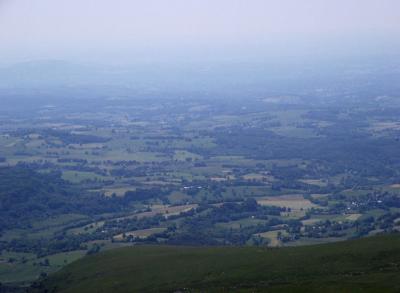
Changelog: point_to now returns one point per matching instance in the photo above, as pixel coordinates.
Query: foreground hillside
(370, 264)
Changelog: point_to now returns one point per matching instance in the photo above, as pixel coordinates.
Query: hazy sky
(31, 29)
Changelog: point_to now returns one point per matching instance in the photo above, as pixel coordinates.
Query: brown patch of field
(118, 191)
(140, 233)
(164, 210)
(310, 222)
(316, 182)
(319, 195)
(88, 146)
(382, 126)
(34, 136)
(292, 201)
(281, 99)
(218, 179)
(353, 217)
(258, 177)
(272, 236)
(159, 183)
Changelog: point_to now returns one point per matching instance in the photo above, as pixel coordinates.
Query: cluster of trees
(26, 195)
(144, 195)
(123, 225)
(199, 229)
(47, 246)
(338, 149)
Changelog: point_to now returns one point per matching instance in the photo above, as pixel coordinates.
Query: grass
(293, 201)
(272, 236)
(366, 265)
(178, 197)
(28, 271)
(183, 155)
(78, 176)
(118, 191)
(140, 233)
(142, 157)
(240, 223)
(316, 182)
(164, 210)
(44, 228)
(89, 228)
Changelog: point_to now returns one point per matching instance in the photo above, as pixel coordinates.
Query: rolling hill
(365, 265)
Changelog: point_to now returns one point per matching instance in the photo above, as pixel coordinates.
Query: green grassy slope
(365, 265)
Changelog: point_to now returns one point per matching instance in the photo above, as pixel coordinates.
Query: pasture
(291, 201)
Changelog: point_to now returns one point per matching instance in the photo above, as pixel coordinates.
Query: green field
(365, 265)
